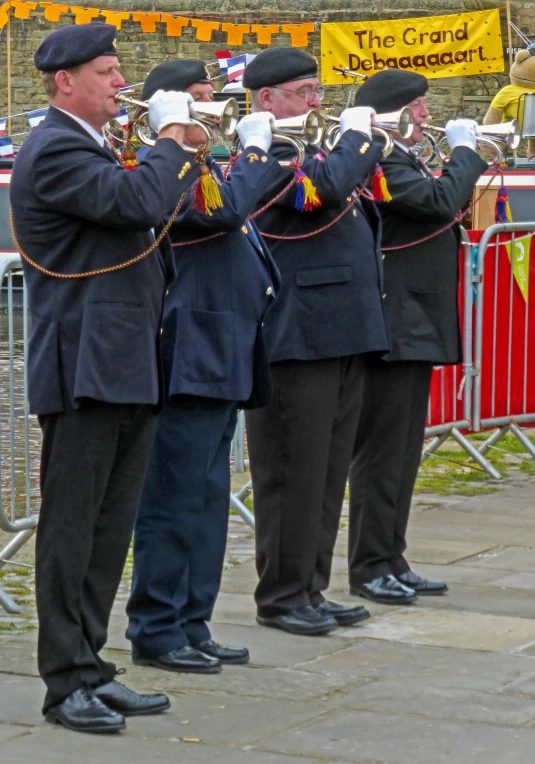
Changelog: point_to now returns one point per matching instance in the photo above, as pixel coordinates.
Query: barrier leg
(430, 449)
(475, 454)
(494, 438)
(242, 510)
(5, 555)
(526, 442)
(245, 491)
(239, 445)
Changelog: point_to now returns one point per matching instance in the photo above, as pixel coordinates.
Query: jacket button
(161, 331)
(167, 290)
(269, 290)
(383, 257)
(354, 213)
(244, 229)
(384, 296)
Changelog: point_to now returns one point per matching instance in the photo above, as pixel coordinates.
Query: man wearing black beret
(94, 356)
(328, 315)
(214, 362)
(421, 284)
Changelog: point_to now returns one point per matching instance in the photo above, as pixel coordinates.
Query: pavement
(448, 679)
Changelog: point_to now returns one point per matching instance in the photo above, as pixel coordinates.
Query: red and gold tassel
(502, 212)
(129, 152)
(307, 197)
(205, 193)
(379, 188)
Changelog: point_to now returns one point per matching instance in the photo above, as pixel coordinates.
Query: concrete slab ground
(448, 679)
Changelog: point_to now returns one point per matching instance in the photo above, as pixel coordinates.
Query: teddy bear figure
(506, 104)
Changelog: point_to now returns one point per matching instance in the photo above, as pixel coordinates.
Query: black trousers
(385, 465)
(300, 448)
(93, 465)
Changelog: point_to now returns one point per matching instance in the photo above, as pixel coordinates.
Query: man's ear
(64, 81)
(266, 98)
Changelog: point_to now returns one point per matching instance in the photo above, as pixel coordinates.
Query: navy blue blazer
(75, 209)
(330, 304)
(212, 339)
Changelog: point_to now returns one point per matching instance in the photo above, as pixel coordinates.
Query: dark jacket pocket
(117, 356)
(203, 344)
(332, 274)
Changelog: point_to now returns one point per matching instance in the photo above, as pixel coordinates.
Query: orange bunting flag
(22, 10)
(204, 29)
(299, 33)
(84, 15)
(175, 24)
(54, 11)
(147, 21)
(4, 14)
(264, 33)
(235, 32)
(115, 18)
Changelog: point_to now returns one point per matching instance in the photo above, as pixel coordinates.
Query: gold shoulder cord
(100, 271)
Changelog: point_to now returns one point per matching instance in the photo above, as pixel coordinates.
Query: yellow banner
(436, 46)
(521, 262)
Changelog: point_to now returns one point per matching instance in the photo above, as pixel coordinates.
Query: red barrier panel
(507, 368)
(447, 387)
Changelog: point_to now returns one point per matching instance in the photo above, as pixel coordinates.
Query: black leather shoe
(387, 590)
(186, 659)
(81, 711)
(224, 653)
(127, 702)
(303, 620)
(423, 586)
(344, 616)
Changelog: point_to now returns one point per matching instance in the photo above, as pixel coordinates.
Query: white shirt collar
(402, 147)
(99, 137)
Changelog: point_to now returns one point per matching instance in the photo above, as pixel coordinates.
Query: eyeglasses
(308, 93)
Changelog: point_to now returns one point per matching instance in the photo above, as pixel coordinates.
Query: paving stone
(21, 699)
(228, 721)
(239, 681)
(266, 646)
(487, 599)
(241, 579)
(429, 550)
(403, 739)
(10, 731)
(439, 666)
(59, 746)
(449, 628)
(513, 559)
(515, 581)
(429, 697)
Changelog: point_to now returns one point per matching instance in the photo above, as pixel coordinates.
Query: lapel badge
(252, 157)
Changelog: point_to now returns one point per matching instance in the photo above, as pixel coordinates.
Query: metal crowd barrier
(16, 515)
(453, 385)
(504, 388)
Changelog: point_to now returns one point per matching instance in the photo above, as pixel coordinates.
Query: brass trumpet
(297, 131)
(400, 122)
(499, 137)
(221, 114)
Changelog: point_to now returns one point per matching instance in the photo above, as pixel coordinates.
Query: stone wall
(139, 52)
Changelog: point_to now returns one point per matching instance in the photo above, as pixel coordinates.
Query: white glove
(462, 132)
(169, 108)
(255, 130)
(357, 118)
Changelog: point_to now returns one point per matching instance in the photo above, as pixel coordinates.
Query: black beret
(277, 65)
(391, 90)
(73, 45)
(175, 75)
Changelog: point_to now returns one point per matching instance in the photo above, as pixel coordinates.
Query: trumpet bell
(400, 122)
(504, 132)
(221, 114)
(309, 127)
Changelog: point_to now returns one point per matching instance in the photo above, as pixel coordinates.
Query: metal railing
(16, 514)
